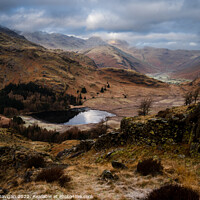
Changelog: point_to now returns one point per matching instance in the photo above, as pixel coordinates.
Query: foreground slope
(109, 163)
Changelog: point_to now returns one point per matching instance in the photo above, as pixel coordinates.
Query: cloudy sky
(173, 24)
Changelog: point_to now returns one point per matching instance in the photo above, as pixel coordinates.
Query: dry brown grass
(85, 172)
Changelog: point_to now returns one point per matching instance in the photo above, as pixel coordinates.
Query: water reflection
(90, 116)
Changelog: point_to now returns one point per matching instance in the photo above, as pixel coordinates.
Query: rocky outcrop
(176, 127)
(84, 146)
(109, 140)
(156, 130)
(16, 156)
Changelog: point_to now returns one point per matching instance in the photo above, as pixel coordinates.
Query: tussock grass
(173, 192)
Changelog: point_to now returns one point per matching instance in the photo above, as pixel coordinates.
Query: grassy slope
(86, 169)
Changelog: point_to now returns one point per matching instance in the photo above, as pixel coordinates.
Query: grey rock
(107, 175)
(118, 165)
(181, 156)
(110, 153)
(76, 154)
(85, 145)
(65, 152)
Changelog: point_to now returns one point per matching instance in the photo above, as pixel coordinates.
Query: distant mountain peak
(119, 43)
(95, 38)
(95, 41)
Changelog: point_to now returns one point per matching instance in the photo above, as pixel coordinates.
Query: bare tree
(145, 106)
(188, 98)
(196, 94)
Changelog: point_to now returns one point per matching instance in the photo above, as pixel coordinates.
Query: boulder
(118, 165)
(107, 175)
(109, 140)
(85, 145)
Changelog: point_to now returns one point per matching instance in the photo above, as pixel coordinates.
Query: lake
(88, 117)
(75, 116)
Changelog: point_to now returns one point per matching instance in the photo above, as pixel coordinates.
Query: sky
(173, 24)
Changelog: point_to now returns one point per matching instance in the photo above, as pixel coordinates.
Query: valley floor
(120, 106)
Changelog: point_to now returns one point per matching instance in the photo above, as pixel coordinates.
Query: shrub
(63, 180)
(149, 166)
(83, 90)
(35, 161)
(173, 192)
(18, 120)
(50, 175)
(145, 106)
(102, 90)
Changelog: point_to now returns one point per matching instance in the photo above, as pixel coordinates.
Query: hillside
(131, 77)
(59, 70)
(118, 54)
(104, 54)
(176, 63)
(112, 57)
(179, 62)
(195, 83)
(189, 70)
(30, 62)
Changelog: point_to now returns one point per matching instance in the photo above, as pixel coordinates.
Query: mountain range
(22, 61)
(119, 54)
(61, 41)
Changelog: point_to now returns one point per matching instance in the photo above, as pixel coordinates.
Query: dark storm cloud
(176, 23)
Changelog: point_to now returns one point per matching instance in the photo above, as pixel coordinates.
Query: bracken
(173, 192)
(149, 166)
